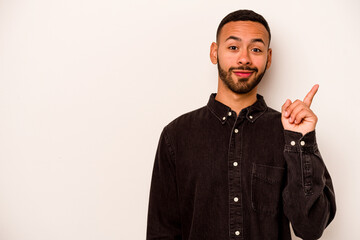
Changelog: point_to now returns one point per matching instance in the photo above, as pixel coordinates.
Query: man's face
(242, 55)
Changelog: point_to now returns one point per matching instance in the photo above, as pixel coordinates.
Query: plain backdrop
(86, 88)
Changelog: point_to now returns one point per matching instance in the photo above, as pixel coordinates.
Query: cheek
(260, 63)
(227, 60)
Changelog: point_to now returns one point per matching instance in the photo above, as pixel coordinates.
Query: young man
(237, 169)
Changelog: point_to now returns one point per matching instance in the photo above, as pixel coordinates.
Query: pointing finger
(309, 97)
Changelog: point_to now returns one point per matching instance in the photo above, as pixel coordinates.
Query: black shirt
(222, 176)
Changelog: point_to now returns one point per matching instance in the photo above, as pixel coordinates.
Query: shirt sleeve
(308, 197)
(163, 213)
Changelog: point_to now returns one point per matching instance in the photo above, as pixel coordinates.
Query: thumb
(284, 107)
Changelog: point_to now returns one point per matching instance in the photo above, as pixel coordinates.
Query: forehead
(244, 30)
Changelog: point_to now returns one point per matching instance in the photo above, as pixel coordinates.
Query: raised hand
(297, 116)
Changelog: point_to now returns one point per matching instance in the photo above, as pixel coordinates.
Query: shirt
(221, 176)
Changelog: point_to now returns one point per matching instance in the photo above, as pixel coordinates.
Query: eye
(233, 48)
(257, 50)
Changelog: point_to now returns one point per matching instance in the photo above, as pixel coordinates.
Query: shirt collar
(223, 112)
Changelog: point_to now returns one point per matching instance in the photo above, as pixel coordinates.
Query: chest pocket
(266, 186)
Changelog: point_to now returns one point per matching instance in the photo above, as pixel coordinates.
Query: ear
(268, 64)
(213, 53)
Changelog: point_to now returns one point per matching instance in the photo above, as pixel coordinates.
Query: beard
(240, 85)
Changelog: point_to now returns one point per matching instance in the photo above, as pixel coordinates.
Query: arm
(163, 214)
(309, 200)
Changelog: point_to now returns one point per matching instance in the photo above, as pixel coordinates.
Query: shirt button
(251, 117)
(236, 199)
(237, 233)
(302, 143)
(235, 164)
(236, 130)
(292, 143)
(224, 118)
(229, 113)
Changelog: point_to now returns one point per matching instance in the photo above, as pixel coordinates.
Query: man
(237, 169)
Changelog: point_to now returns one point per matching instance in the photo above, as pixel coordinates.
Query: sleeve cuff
(295, 141)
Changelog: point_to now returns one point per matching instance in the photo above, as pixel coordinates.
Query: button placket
(235, 198)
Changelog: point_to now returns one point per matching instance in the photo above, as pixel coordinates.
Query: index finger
(309, 97)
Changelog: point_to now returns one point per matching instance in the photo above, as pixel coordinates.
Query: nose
(244, 58)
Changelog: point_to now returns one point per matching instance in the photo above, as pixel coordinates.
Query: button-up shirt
(218, 175)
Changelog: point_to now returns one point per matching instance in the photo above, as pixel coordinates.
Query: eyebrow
(239, 39)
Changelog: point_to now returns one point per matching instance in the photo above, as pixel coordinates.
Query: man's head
(243, 15)
(242, 50)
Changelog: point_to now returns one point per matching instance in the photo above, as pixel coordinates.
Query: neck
(235, 101)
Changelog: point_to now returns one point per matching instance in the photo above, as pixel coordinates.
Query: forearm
(308, 196)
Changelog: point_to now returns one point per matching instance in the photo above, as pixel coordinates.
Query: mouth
(243, 73)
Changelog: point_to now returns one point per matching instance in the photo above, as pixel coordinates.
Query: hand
(297, 116)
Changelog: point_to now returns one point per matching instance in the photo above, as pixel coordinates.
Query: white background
(87, 86)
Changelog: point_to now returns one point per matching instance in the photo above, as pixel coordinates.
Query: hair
(243, 15)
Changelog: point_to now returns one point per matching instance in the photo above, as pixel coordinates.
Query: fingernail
(290, 119)
(286, 113)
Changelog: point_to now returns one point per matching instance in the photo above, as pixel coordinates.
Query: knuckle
(316, 118)
(292, 106)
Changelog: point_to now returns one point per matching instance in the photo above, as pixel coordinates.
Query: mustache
(244, 68)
